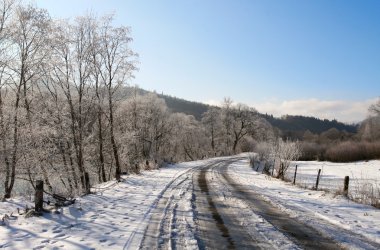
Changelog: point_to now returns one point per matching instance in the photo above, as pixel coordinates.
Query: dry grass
(347, 151)
(366, 193)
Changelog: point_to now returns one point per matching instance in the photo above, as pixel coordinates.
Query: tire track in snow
(158, 232)
(344, 237)
(202, 183)
(263, 234)
(138, 235)
(217, 223)
(302, 234)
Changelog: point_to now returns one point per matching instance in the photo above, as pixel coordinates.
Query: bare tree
(212, 122)
(29, 38)
(189, 140)
(227, 123)
(96, 59)
(244, 121)
(117, 67)
(375, 108)
(6, 11)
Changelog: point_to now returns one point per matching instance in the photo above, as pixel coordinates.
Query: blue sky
(319, 57)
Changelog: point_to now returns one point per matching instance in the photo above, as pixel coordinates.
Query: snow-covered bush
(283, 153)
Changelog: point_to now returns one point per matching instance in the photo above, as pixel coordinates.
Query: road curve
(205, 203)
(218, 227)
(303, 235)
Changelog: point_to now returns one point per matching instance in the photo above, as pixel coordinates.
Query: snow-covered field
(108, 219)
(364, 177)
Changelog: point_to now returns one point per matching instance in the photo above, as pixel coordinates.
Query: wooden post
(274, 164)
(87, 182)
(346, 183)
(39, 196)
(317, 183)
(265, 167)
(295, 175)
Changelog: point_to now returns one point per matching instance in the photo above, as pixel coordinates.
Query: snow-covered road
(218, 203)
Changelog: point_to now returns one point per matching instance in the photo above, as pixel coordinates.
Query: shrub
(353, 151)
(312, 151)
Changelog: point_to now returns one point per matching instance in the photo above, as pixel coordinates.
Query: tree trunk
(102, 176)
(74, 173)
(113, 141)
(4, 145)
(66, 167)
(10, 178)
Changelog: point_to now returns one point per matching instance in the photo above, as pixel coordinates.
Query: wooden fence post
(346, 183)
(87, 182)
(295, 175)
(147, 165)
(264, 168)
(317, 183)
(39, 196)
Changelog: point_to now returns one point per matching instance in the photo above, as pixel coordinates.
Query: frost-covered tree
(284, 152)
(6, 14)
(369, 129)
(145, 128)
(244, 122)
(238, 122)
(212, 122)
(117, 67)
(189, 140)
(28, 49)
(375, 108)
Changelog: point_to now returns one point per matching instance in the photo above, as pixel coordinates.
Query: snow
(320, 209)
(257, 227)
(110, 219)
(332, 174)
(117, 214)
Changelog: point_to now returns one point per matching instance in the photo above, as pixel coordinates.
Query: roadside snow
(108, 219)
(317, 208)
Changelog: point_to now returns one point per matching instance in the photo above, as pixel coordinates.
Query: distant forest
(289, 125)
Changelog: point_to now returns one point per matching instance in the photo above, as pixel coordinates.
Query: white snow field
(364, 177)
(118, 214)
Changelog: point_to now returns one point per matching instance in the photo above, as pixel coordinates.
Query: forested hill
(178, 105)
(286, 124)
(299, 123)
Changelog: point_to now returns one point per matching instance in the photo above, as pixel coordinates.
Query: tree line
(342, 146)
